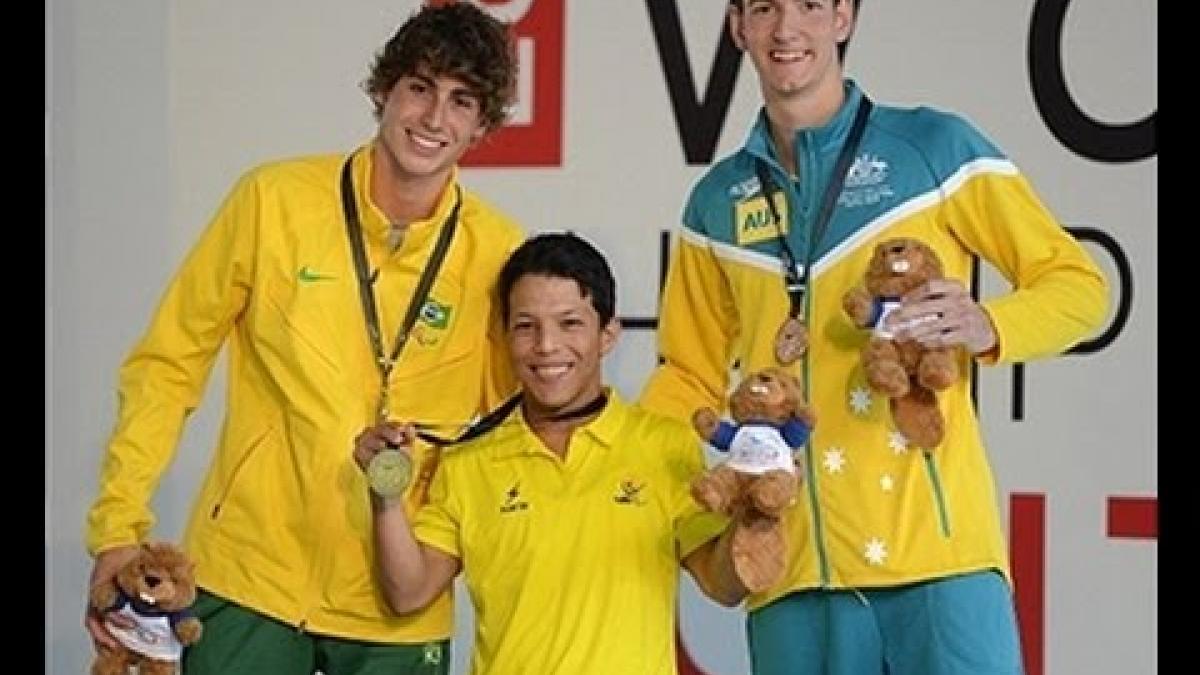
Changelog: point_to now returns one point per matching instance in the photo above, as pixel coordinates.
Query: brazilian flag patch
(435, 315)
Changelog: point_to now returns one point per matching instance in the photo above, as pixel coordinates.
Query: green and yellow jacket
(876, 511)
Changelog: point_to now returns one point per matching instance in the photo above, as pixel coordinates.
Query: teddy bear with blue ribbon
(771, 421)
(152, 594)
(907, 372)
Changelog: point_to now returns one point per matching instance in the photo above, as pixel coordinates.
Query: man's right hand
(104, 571)
(382, 436)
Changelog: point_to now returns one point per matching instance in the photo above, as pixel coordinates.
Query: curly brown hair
(455, 40)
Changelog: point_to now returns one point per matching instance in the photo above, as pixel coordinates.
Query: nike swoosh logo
(308, 275)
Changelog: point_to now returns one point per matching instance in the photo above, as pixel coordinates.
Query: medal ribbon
(383, 362)
(796, 281)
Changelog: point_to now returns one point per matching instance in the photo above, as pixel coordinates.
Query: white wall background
(153, 108)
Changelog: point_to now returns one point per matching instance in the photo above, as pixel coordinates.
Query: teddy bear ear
(933, 264)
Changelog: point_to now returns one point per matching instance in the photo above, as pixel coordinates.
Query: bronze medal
(791, 341)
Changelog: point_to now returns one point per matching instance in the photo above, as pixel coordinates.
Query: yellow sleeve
(697, 328)
(1059, 295)
(162, 380)
(693, 526)
(437, 521)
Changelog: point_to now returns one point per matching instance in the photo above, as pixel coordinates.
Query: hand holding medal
(389, 472)
(383, 453)
(791, 340)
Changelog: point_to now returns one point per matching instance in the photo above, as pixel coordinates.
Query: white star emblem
(835, 460)
(876, 551)
(860, 400)
(886, 482)
(898, 442)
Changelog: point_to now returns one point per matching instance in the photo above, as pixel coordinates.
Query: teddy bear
(771, 420)
(154, 591)
(903, 370)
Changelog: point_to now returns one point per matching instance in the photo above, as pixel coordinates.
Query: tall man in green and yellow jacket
(897, 559)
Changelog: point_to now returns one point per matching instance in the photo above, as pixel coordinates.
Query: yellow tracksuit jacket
(282, 523)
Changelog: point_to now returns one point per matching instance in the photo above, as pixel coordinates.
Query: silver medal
(389, 473)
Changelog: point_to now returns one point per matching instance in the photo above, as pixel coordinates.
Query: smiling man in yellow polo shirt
(572, 516)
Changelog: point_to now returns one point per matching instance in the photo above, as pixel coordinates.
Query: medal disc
(389, 473)
(790, 341)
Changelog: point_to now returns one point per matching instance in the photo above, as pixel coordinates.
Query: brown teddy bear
(759, 479)
(906, 372)
(154, 591)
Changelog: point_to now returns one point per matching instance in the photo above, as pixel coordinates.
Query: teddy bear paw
(889, 378)
(937, 373)
(711, 495)
(773, 492)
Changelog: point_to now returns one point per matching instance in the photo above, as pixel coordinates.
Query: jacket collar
(823, 138)
(603, 428)
(374, 222)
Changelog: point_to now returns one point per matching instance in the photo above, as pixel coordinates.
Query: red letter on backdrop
(1132, 517)
(533, 134)
(1027, 549)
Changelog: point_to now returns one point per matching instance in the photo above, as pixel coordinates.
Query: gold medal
(389, 473)
(791, 341)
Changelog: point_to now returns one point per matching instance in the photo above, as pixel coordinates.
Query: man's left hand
(941, 313)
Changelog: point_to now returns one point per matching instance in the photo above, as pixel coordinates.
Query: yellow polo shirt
(572, 564)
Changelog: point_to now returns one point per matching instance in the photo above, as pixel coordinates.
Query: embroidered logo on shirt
(435, 314)
(746, 188)
(513, 501)
(433, 654)
(753, 221)
(307, 274)
(865, 182)
(423, 336)
(629, 491)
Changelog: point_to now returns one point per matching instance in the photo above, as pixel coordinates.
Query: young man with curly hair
(340, 283)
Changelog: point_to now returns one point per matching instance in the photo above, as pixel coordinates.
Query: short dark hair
(457, 40)
(562, 255)
(843, 45)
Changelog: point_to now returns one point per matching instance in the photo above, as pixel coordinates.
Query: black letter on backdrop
(699, 120)
(1070, 125)
(664, 261)
(1124, 289)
